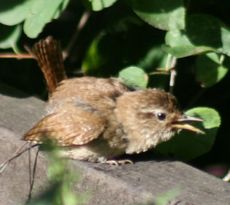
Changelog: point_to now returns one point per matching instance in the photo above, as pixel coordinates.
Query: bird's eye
(161, 116)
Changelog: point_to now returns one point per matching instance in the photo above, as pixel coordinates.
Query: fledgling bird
(97, 119)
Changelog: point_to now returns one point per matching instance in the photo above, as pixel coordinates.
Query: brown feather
(72, 126)
(49, 56)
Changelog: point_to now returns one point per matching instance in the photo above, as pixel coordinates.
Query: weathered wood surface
(141, 183)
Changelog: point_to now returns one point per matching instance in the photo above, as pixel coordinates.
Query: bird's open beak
(184, 123)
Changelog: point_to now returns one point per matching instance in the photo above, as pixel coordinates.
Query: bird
(99, 119)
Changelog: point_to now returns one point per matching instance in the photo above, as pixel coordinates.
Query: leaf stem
(83, 20)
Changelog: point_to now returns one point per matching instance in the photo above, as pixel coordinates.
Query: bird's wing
(73, 126)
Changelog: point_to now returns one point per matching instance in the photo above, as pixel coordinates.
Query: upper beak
(184, 123)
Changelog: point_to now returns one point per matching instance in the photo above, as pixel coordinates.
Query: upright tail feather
(49, 56)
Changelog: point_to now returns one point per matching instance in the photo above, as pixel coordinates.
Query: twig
(32, 179)
(159, 71)
(80, 26)
(170, 66)
(29, 162)
(19, 152)
(172, 79)
(17, 56)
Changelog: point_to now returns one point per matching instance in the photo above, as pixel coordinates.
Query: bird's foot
(118, 162)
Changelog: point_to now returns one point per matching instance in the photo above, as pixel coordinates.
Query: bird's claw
(118, 162)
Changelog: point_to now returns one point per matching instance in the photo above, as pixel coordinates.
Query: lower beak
(184, 123)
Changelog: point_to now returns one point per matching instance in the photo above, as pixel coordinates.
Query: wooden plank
(19, 112)
(141, 183)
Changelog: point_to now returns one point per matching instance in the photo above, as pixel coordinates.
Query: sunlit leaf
(180, 45)
(13, 12)
(41, 12)
(134, 77)
(225, 36)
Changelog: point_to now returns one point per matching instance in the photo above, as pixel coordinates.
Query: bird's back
(97, 93)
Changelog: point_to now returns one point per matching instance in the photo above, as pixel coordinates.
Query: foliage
(167, 197)
(32, 14)
(133, 39)
(134, 77)
(61, 179)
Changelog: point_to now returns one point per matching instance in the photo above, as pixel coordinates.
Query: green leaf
(204, 30)
(187, 145)
(154, 58)
(165, 15)
(61, 8)
(41, 12)
(98, 5)
(13, 11)
(210, 116)
(210, 69)
(225, 36)
(203, 33)
(64, 4)
(180, 45)
(9, 36)
(134, 77)
(185, 51)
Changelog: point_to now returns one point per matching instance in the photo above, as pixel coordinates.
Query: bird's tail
(48, 54)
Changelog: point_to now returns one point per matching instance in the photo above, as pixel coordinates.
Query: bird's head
(150, 117)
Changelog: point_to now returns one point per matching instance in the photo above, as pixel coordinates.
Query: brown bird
(96, 119)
